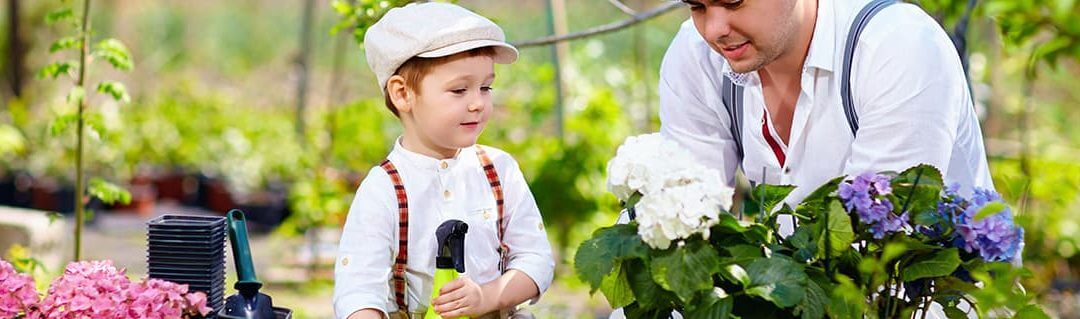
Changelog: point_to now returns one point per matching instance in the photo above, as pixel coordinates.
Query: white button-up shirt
(908, 86)
(437, 190)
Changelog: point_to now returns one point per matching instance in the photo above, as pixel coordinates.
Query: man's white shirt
(437, 190)
(908, 86)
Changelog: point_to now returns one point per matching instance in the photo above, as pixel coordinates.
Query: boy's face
(453, 103)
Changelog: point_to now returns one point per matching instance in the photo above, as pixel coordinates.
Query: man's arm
(910, 93)
(690, 102)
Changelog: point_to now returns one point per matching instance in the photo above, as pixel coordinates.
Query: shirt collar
(823, 43)
(424, 162)
(822, 46)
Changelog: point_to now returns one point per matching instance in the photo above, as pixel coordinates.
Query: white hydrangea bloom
(680, 197)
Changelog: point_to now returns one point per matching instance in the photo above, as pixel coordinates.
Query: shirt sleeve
(690, 100)
(909, 91)
(526, 237)
(364, 262)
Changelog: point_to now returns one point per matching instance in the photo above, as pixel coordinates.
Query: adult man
(910, 99)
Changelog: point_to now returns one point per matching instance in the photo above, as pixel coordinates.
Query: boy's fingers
(445, 298)
(451, 286)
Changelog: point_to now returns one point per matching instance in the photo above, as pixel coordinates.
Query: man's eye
(694, 6)
(458, 91)
(733, 4)
(485, 88)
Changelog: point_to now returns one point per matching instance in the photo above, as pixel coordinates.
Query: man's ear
(400, 94)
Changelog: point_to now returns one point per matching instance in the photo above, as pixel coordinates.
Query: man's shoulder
(901, 26)
(689, 52)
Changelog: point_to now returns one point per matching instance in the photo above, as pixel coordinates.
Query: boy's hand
(461, 297)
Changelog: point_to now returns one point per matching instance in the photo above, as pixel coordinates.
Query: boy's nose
(477, 105)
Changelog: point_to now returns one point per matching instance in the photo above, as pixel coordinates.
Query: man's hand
(461, 297)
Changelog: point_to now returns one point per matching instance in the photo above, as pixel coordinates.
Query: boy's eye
(485, 88)
(458, 91)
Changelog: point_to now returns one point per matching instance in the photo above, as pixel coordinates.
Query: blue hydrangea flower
(995, 237)
(864, 195)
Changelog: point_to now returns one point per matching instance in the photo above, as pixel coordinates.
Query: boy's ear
(399, 93)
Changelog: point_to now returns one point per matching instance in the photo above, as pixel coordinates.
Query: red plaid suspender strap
(402, 258)
(496, 188)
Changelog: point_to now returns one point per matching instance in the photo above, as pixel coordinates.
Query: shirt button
(446, 194)
(443, 165)
(787, 170)
(487, 214)
(345, 261)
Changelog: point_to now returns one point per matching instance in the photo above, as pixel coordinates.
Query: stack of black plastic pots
(189, 250)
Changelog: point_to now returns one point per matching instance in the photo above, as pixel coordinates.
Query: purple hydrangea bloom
(995, 237)
(864, 195)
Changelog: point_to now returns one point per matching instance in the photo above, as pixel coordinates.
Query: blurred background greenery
(233, 106)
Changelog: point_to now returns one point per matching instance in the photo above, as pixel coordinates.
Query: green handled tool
(449, 257)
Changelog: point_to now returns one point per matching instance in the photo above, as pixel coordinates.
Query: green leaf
(766, 197)
(596, 257)
(839, 232)
(817, 200)
(114, 89)
(1031, 312)
(990, 209)
(115, 52)
(686, 270)
(109, 193)
(60, 14)
(64, 43)
(728, 224)
(11, 140)
(938, 264)
(846, 301)
(736, 274)
(803, 242)
(60, 124)
(714, 305)
(778, 280)
(647, 292)
(76, 95)
(954, 313)
(924, 196)
(616, 288)
(813, 306)
(56, 69)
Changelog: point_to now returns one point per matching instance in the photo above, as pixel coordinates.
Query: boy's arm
(513, 288)
(363, 265)
(530, 251)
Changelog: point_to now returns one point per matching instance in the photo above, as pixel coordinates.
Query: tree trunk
(559, 52)
(302, 67)
(16, 49)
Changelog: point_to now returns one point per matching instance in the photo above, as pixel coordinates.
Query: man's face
(750, 34)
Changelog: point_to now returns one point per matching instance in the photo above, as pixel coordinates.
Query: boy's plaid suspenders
(400, 262)
(398, 274)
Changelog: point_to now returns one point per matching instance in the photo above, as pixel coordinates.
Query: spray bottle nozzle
(451, 239)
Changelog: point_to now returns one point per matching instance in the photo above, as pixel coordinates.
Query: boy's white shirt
(437, 190)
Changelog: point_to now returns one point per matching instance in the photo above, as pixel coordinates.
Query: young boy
(435, 63)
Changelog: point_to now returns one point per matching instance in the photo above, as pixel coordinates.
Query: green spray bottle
(449, 257)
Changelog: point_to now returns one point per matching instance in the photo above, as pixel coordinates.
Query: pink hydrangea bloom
(96, 289)
(17, 292)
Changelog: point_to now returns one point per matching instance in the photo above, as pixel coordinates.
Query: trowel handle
(238, 239)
